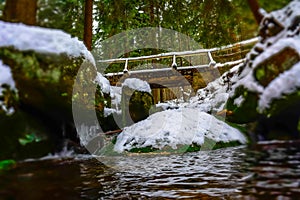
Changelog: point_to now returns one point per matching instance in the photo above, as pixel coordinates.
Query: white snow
(110, 111)
(210, 99)
(286, 83)
(116, 95)
(187, 124)
(250, 83)
(238, 101)
(103, 83)
(176, 127)
(6, 78)
(23, 37)
(137, 84)
(88, 132)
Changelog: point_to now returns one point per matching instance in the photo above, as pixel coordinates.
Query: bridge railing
(207, 57)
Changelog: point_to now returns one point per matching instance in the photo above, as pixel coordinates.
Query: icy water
(268, 171)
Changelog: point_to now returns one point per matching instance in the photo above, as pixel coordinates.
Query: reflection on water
(270, 171)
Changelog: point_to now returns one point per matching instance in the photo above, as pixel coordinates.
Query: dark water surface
(270, 171)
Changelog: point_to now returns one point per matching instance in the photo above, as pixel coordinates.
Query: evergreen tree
(209, 22)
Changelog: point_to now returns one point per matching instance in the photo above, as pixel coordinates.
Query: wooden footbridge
(186, 71)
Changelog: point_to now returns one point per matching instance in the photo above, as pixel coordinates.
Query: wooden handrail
(180, 54)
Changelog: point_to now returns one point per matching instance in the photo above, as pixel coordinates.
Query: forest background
(212, 23)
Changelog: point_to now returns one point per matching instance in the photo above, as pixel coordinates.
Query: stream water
(268, 171)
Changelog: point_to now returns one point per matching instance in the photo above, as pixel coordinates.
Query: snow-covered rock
(269, 86)
(41, 64)
(174, 128)
(272, 69)
(48, 41)
(137, 85)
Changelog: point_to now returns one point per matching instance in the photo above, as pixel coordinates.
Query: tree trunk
(23, 11)
(88, 24)
(254, 6)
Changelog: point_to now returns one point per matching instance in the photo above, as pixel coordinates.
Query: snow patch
(116, 96)
(284, 84)
(88, 132)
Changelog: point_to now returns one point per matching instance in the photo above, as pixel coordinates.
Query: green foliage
(275, 5)
(212, 23)
(29, 138)
(7, 164)
(212, 145)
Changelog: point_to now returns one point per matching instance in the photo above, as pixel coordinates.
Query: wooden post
(88, 24)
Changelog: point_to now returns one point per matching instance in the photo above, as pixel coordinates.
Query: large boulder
(180, 130)
(36, 109)
(268, 90)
